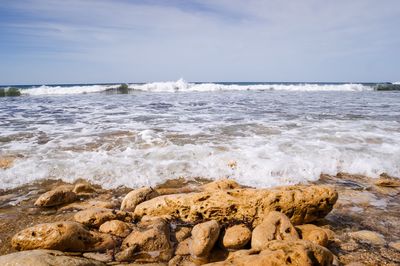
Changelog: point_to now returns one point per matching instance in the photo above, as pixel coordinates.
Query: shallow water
(260, 138)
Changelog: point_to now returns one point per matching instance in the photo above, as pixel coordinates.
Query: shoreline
(364, 220)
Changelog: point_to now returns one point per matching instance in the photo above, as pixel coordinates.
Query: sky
(97, 41)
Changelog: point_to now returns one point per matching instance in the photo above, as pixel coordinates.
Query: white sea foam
(183, 86)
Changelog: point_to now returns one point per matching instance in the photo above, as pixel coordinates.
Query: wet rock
(117, 228)
(302, 204)
(95, 217)
(275, 226)
(282, 252)
(6, 162)
(370, 237)
(222, 184)
(395, 245)
(45, 258)
(236, 237)
(103, 257)
(388, 182)
(148, 243)
(313, 233)
(84, 188)
(203, 238)
(63, 236)
(58, 196)
(181, 233)
(133, 198)
(89, 204)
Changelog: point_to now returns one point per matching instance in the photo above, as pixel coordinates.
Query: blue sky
(88, 41)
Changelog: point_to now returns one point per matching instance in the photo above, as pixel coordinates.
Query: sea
(260, 134)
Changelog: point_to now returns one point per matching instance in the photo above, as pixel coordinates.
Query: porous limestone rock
(275, 226)
(204, 236)
(63, 236)
(94, 217)
(313, 233)
(222, 184)
(133, 198)
(58, 196)
(281, 252)
(117, 228)
(182, 233)
(45, 258)
(149, 242)
(302, 204)
(89, 204)
(236, 237)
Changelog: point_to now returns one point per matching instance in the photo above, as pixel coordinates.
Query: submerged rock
(302, 204)
(370, 237)
(63, 236)
(6, 162)
(45, 258)
(150, 242)
(236, 237)
(313, 233)
(133, 198)
(58, 196)
(94, 217)
(275, 226)
(203, 238)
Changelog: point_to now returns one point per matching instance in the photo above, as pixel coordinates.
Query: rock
(149, 243)
(58, 196)
(95, 217)
(89, 204)
(183, 248)
(370, 237)
(222, 184)
(388, 182)
(395, 245)
(6, 162)
(181, 233)
(103, 257)
(236, 237)
(84, 188)
(133, 198)
(117, 228)
(180, 260)
(302, 204)
(313, 233)
(203, 238)
(63, 236)
(45, 258)
(275, 226)
(282, 252)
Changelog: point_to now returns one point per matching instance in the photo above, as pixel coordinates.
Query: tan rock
(222, 184)
(6, 162)
(388, 182)
(395, 245)
(236, 237)
(302, 204)
(58, 196)
(95, 217)
(84, 188)
(133, 198)
(275, 226)
(45, 258)
(149, 243)
(117, 228)
(89, 204)
(370, 237)
(183, 248)
(185, 260)
(181, 233)
(281, 252)
(103, 257)
(63, 236)
(313, 233)
(203, 238)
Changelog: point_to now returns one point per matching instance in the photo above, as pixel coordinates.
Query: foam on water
(183, 86)
(275, 138)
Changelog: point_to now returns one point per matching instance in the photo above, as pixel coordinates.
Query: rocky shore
(339, 220)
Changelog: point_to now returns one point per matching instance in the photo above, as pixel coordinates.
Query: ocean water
(260, 134)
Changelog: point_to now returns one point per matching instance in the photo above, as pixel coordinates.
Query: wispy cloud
(104, 40)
